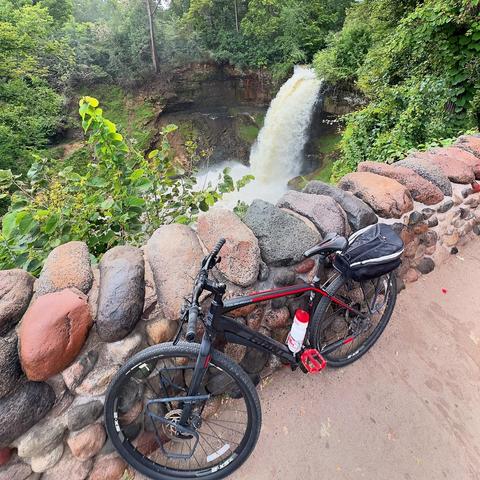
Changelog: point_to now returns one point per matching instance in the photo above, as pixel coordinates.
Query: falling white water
(276, 156)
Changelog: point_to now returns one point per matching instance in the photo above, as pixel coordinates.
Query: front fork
(203, 359)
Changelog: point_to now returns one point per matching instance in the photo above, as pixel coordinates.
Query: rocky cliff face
(218, 107)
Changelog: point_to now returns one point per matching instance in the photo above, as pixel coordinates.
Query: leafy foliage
(33, 62)
(418, 63)
(120, 196)
(265, 33)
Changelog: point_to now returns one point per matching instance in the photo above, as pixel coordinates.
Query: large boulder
(283, 238)
(52, 333)
(359, 214)
(16, 289)
(66, 266)
(421, 190)
(122, 292)
(240, 254)
(453, 168)
(386, 196)
(23, 408)
(455, 153)
(469, 143)
(325, 213)
(428, 171)
(174, 254)
(10, 370)
(88, 442)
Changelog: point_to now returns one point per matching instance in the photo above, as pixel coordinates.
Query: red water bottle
(298, 331)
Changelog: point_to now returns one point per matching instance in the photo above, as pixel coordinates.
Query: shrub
(119, 196)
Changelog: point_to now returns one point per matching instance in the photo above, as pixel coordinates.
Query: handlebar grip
(218, 247)
(192, 323)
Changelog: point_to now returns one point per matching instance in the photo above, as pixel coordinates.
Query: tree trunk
(153, 46)
(236, 15)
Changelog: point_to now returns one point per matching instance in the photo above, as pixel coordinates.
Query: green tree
(32, 58)
(417, 63)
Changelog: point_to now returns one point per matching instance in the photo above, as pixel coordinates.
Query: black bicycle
(185, 410)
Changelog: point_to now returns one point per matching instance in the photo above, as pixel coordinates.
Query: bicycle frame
(216, 322)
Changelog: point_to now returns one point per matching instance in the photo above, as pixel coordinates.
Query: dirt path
(409, 409)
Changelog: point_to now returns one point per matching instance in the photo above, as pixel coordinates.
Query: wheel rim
(218, 428)
(372, 298)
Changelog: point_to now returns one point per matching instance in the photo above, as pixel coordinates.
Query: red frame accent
(284, 292)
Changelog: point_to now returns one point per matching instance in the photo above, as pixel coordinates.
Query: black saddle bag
(371, 252)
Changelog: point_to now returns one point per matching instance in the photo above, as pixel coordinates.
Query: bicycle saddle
(330, 244)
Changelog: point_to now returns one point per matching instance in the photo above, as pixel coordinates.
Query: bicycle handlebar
(208, 263)
(192, 323)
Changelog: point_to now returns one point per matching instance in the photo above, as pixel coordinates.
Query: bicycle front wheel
(343, 337)
(144, 403)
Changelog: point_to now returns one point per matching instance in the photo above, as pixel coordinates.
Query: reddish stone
(469, 143)
(88, 442)
(146, 443)
(254, 319)
(305, 266)
(421, 189)
(240, 254)
(52, 333)
(243, 311)
(456, 153)
(420, 228)
(454, 169)
(110, 467)
(386, 196)
(277, 318)
(5, 455)
(411, 275)
(66, 266)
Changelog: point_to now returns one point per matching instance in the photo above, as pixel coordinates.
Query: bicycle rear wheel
(144, 404)
(353, 336)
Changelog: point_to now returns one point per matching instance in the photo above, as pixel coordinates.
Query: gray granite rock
(429, 172)
(16, 289)
(10, 369)
(122, 292)
(282, 237)
(23, 408)
(359, 214)
(325, 213)
(84, 414)
(41, 439)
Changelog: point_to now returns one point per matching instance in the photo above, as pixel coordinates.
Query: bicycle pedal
(312, 361)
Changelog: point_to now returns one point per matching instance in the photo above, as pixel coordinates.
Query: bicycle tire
(191, 350)
(319, 318)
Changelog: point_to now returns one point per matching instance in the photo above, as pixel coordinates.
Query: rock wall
(64, 335)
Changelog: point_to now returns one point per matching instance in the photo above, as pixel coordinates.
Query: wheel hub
(170, 430)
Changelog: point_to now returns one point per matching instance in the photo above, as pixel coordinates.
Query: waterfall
(276, 156)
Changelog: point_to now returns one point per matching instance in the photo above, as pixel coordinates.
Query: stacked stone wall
(64, 335)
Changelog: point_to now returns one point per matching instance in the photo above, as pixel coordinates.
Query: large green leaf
(9, 223)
